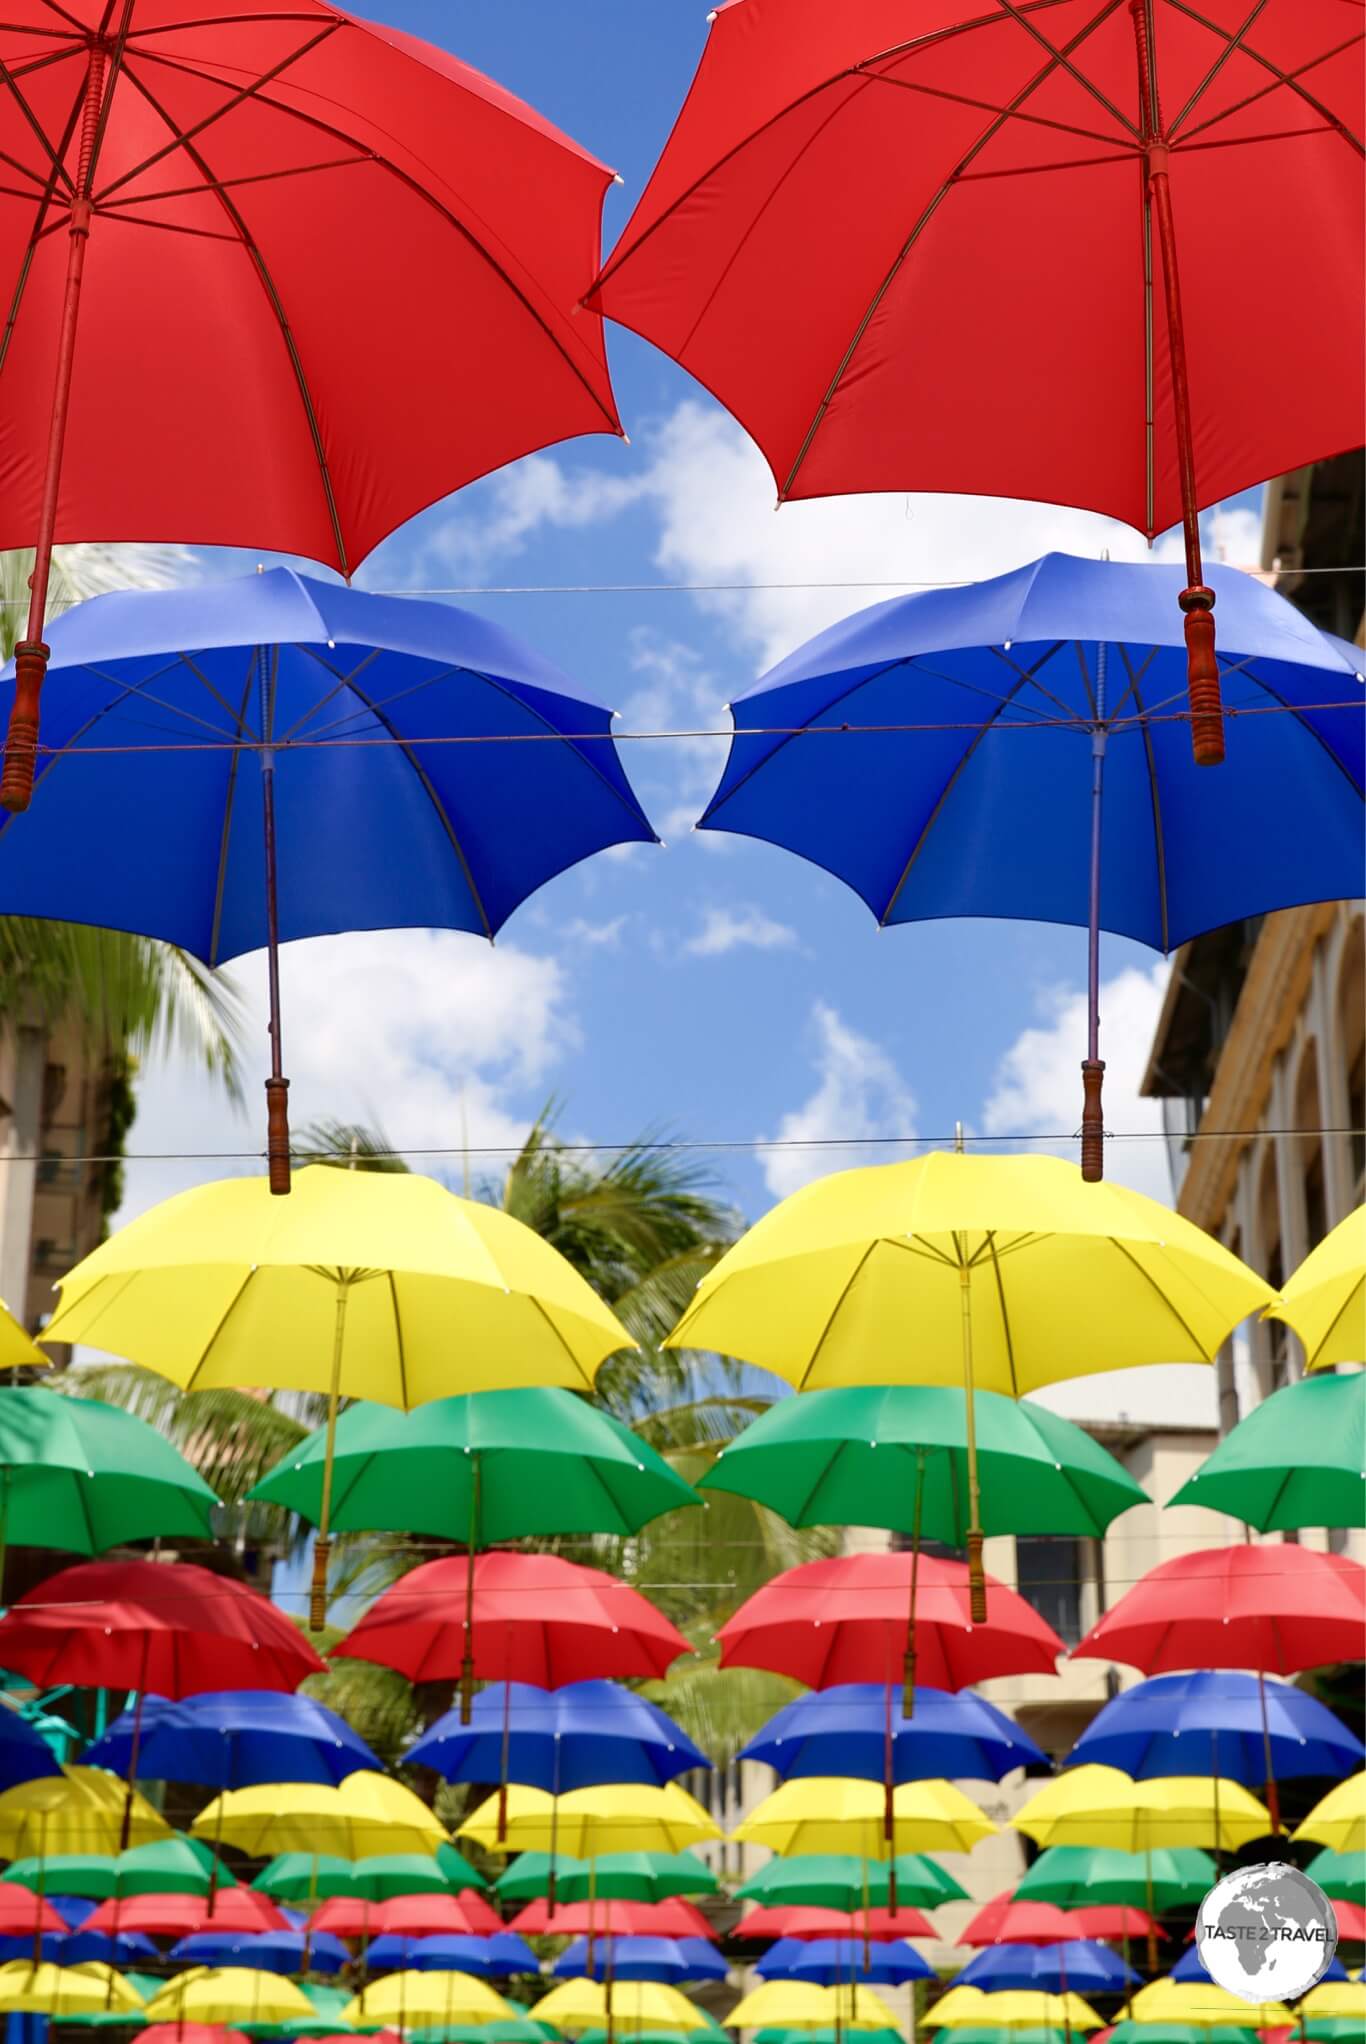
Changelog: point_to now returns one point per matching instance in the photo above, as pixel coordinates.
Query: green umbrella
(527, 1878)
(168, 1866)
(1075, 1876)
(143, 1984)
(1340, 1874)
(328, 2004)
(504, 2030)
(1298, 1459)
(827, 2034)
(488, 1466)
(996, 2033)
(312, 1877)
(896, 1455)
(83, 1476)
(1128, 2032)
(1330, 2030)
(634, 1877)
(833, 1880)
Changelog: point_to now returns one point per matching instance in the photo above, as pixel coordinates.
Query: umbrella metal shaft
(1093, 1067)
(977, 1585)
(277, 1085)
(322, 1546)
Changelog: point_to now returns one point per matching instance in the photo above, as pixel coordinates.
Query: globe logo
(1266, 1933)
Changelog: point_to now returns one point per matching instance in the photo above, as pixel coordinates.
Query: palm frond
(233, 1438)
(349, 1145)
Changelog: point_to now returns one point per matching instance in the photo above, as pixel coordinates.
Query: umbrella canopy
(1190, 1966)
(407, 1999)
(1340, 1874)
(81, 1948)
(189, 2033)
(231, 1739)
(1006, 1921)
(366, 1813)
(64, 1991)
(1159, 1877)
(1279, 1608)
(1095, 1805)
(496, 1465)
(858, 1455)
(278, 1951)
(24, 1753)
(845, 1620)
(834, 1880)
(831, 1962)
(819, 1814)
(673, 1918)
(949, 1269)
(22, 1913)
(310, 1876)
(609, 1818)
(400, 147)
(1297, 1459)
(820, 246)
(1338, 1820)
(81, 1811)
(846, 1730)
(1013, 2009)
(997, 2033)
(558, 1740)
(228, 1994)
(625, 1876)
(1218, 1721)
(1077, 1966)
(409, 1916)
(1342, 1998)
(641, 1958)
(486, 1957)
(875, 1926)
(577, 2005)
(531, 1618)
(169, 1627)
(1324, 1301)
(804, 2005)
(230, 1912)
(1181, 2033)
(80, 1475)
(169, 1864)
(1168, 2000)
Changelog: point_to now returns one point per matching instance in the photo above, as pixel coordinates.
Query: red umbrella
(191, 2033)
(407, 1916)
(23, 1913)
(1113, 1920)
(803, 1920)
(1351, 1918)
(238, 1910)
(1276, 1609)
(673, 1918)
(1004, 1921)
(847, 1620)
(533, 1618)
(933, 245)
(277, 229)
(167, 1627)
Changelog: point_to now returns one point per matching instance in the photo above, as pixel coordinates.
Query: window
(1050, 1576)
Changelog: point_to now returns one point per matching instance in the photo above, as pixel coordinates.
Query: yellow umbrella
(363, 1815)
(1336, 1998)
(1004, 1272)
(82, 1810)
(1337, 1819)
(819, 1813)
(360, 1284)
(1325, 1300)
(615, 1817)
(801, 2005)
(417, 2000)
(93, 1989)
(1205, 2004)
(1013, 2009)
(1101, 1806)
(18, 1350)
(635, 2005)
(228, 1995)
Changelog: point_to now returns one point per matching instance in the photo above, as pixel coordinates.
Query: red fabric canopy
(164, 1628)
(673, 1918)
(1278, 1608)
(804, 1920)
(408, 1916)
(22, 1912)
(1004, 1921)
(190, 2033)
(239, 1910)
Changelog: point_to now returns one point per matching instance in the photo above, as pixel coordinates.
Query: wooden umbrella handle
(21, 740)
(1092, 1120)
(977, 1580)
(317, 1594)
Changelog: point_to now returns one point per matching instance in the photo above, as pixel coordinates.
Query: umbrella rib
(1290, 79)
(1304, 725)
(398, 1337)
(1159, 836)
(213, 1338)
(927, 214)
(341, 679)
(45, 201)
(844, 1292)
(220, 880)
(1216, 67)
(1005, 1314)
(1328, 1332)
(578, 1368)
(1161, 1296)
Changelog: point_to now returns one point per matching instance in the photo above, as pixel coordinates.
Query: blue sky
(716, 989)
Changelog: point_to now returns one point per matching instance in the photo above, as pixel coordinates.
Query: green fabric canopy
(616, 1876)
(167, 1866)
(306, 1876)
(1078, 1876)
(1297, 1459)
(82, 1476)
(832, 1880)
(1340, 1874)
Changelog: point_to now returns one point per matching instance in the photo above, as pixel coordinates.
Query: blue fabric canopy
(372, 833)
(503, 1953)
(558, 1739)
(1190, 1967)
(843, 1730)
(129, 1948)
(1077, 1967)
(232, 1739)
(24, 1753)
(642, 1958)
(990, 814)
(1210, 1722)
(271, 1951)
(828, 1961)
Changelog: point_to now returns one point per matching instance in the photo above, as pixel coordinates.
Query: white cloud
(430, 1034)
(676, 690)
(736, 929)
(859, 1093)
(597, 936)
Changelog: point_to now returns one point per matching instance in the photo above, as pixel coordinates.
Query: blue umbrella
(326, 765)
(575, 1737)
(24, 1753)
(1189, 1967)
(502, 1953)
(1246, 1728)
(130, 1948)
(987, 724)
(845, 1730)
(271, 1951)
(74, 1909)
(231, 1739)
(641, 1958)
(1077, 1967)
(829, 1961)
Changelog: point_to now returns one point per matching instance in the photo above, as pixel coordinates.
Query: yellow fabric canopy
(1325, 1300)
(615, 1817)
(1101, 1806)
(59, 1991)
(1205, 2004)
(636, 2005)
(801, 2005)
(362, 1816)
(1337, 1819)
(416, 2000)
(1013, 2009)
(822, 1813)
(18, 1350)
(82, 1810)
(1336, 1998)
(228, 1995)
